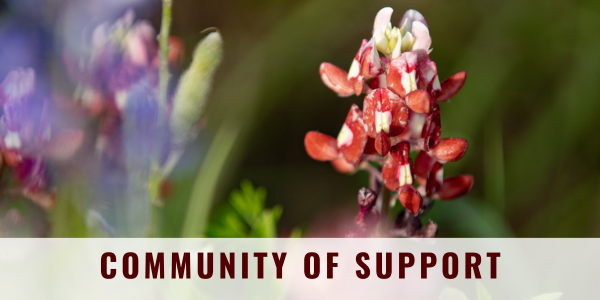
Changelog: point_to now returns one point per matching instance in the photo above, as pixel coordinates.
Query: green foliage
(245, 215)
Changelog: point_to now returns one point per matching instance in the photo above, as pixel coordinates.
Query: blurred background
(529, 108)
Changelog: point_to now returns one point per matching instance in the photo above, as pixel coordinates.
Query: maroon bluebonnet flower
(400, 114)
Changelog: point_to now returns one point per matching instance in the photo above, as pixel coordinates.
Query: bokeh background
(530, 107)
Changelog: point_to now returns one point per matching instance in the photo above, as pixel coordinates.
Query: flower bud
(389, 172)
(422, 39)
(370, 64)
(354, 74)
(418, 101)
(402, 74)
(427, 77)
(449, 149)
(411, 16)
(432, 129)
(434, 179)
(194, 86)
(320, 146)
(367, 215)
(410, 198)
(366, 198)
(423, 164)
(452, 86)
(353, 136)
(455, 187)
(336, 79)
(382, 143)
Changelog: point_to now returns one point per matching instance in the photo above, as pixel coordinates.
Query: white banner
(308, 269)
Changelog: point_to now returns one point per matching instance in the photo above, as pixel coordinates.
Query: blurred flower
(27, 136)
(120, 54)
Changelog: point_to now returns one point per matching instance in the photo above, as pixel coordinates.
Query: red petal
(369, 106)
(383, 100)
(434, 179)
(370, 63)
(342, 166)
(370, 147)
(452, 85)
(401, 152)
(455, 187)
(432, 129)
(410, 198)
(336, 79)
(390, 172)
(320, 146)
(378, 82)
(399, 114)
(354, 121)
(357, 81)
(418, 101)
(449, 149)
(404, 66)
(382, 143)
(427, 77)
(423, 164)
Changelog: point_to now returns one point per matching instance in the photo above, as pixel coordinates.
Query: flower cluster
(28, 139)
(400, 115)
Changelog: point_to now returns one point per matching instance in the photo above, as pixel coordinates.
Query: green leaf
(482, 293)
(245, 215)
(266, 225)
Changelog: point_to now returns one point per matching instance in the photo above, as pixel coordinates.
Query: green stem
(163, 39)
(163, 85)
(385, 208)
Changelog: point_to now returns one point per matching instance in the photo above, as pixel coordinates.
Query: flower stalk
(400, 115)
(164, 48)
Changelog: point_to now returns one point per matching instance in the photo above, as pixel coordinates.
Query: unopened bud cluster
(400, 115)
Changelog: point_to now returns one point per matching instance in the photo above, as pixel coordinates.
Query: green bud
(194, 86)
